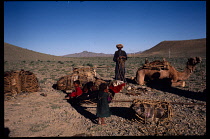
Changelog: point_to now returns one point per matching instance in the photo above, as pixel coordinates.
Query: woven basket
(148, 110)
(20, 81)
(12, 82)
(29, 82)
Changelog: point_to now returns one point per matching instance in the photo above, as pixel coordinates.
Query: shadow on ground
(82, 110)
(124, 112)
(166, 87)
(6, 132)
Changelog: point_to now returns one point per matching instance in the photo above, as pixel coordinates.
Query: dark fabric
(84, 96)
(120, 65)
(91, 95)
(118, 54)
(103, 109)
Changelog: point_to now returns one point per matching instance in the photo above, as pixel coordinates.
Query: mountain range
(88, 54)
(181, 48)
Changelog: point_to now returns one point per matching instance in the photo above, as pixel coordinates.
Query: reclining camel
(166, 71)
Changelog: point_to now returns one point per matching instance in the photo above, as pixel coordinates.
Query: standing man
(120, 57)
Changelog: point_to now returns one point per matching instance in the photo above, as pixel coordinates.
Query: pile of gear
(89, 81)
(157, 113)
(156, 65)
(19, 81)
(83, 74)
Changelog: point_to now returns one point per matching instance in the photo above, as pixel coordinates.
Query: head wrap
(119, 45)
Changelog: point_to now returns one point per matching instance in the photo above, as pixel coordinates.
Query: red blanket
(117, 89)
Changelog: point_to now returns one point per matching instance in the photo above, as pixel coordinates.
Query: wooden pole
(169, 53)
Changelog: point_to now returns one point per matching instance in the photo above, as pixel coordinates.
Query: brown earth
(35, 115)
(16, 53)
(181, 48)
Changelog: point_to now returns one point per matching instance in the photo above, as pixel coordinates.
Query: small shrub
(55, 106)
(74, 65)
(40, 61)
(38, 127)
(89, 64)
(60, 62)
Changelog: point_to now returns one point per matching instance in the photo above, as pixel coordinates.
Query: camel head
(192, 62)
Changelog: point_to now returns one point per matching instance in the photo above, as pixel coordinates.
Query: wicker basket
(148, 110)
(20, 81)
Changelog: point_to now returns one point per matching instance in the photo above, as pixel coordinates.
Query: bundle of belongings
(89, 83)
(20, 81)
(156, 65)
(90, 90)
(83, 74)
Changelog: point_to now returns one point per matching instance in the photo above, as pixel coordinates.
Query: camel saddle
(156, 65)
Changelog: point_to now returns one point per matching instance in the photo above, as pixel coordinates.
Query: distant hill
(134, 54)
(15, 53)
(88, 54)
(182, 48)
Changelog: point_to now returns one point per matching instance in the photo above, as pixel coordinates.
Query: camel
(163, 70)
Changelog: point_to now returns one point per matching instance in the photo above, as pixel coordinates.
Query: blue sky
(66, 27)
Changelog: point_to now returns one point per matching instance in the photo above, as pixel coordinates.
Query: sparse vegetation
(35, 115)
(60, 62)
(38, 127)
(89, 64)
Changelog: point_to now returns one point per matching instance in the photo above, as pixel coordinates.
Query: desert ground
(30, 114)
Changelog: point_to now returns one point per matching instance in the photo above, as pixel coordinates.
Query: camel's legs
(178, 84)
(140, 78)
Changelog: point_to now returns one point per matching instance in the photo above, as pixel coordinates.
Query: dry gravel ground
(34, 115)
